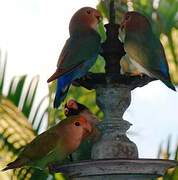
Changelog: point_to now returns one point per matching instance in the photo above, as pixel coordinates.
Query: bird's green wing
(78, 49)
(147, 50)
(41, 145)
(47, 141)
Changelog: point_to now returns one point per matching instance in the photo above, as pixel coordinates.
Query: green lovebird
(79, 52)
(53, 145)
(144, 48)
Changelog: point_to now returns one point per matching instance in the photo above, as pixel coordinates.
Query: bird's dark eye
(88, 12)
(77, 123)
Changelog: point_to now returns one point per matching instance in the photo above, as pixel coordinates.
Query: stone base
(117, 177)
(117, 169)
(121, 148)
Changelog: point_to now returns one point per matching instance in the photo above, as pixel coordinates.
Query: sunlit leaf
(15, 89)
(2, 71)
(29, 98)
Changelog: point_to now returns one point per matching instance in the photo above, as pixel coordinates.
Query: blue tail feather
(63, 84)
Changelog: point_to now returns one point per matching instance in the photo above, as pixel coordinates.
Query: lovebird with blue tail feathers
(144, 48)
(79, 52)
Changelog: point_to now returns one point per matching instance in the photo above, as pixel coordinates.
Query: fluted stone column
(113, 101)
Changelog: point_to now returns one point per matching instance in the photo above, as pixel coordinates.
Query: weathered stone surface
(116, 177)
(114, 156)
(117, 169)
(113, 101)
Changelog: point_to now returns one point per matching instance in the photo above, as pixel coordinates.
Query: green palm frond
(166, 153)
(29, 96)
(15, 132)
(15, 89)
(2, 72)
(16, 129)
(22, 94)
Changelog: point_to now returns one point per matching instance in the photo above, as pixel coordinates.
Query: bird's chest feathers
(72, 143)
(140, 68)
(136, 56)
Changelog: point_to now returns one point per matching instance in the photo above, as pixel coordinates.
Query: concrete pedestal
(117, 169)
(113, 101)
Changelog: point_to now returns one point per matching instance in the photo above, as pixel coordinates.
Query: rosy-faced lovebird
(53, 145)
(144, 48)
(79, 52)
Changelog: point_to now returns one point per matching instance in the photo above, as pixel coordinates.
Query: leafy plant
(166, 153)
(19, 121)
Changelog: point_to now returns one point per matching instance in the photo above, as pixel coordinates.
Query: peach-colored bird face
(87, 17)
(74, 130)
(83, 124)
(134, 21)
(126, 18)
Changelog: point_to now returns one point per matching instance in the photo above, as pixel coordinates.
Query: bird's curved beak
(88, 128)
(98, 16)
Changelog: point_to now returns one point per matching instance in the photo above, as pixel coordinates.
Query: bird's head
(72, 108)
(80, 124)
(134, 21)
(86, 17)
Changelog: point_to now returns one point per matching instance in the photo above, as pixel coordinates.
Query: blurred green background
(21, 121)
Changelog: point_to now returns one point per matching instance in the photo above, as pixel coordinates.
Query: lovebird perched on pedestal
(79, 53)
(54, 145)
(144, 48)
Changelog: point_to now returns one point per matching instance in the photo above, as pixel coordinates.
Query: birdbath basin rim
(121, 167)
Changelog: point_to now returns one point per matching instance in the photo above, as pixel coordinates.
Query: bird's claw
(88, 76)
(128, 74)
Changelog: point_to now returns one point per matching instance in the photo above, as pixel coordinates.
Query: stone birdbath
(114, 156)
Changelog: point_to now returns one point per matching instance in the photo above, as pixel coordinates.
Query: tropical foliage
(167, 153)
(20, 123)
